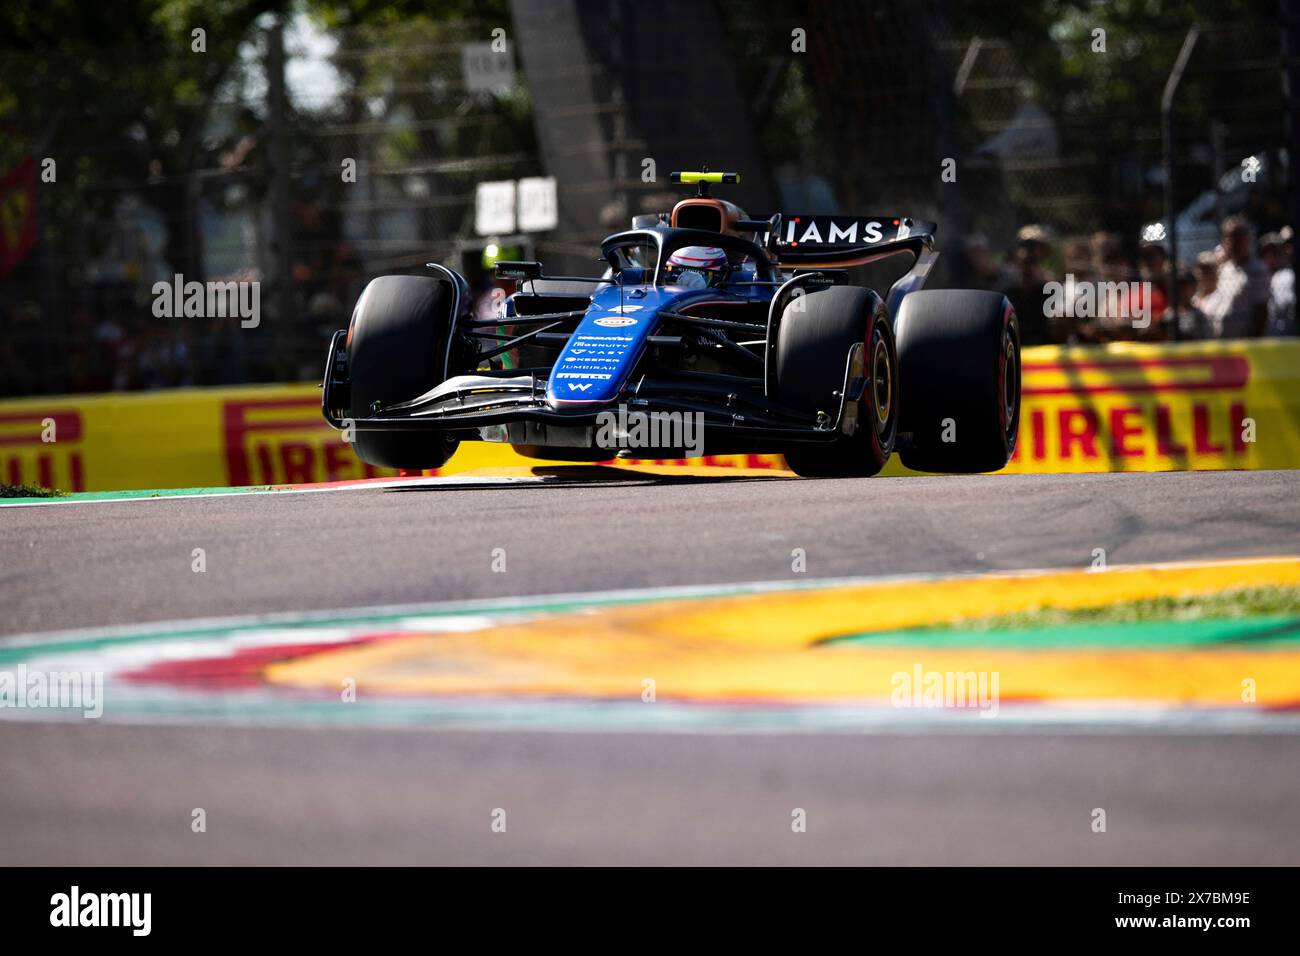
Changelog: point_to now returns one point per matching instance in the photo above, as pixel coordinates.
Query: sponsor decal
(831, 231)
(588, 375)
(285, 441)
(615, 323)
(43, 447)
(1123, 407)
(1092, 411)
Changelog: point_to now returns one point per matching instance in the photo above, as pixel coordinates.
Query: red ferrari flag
(17, 213)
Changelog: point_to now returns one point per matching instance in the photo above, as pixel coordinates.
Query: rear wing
(825, 242)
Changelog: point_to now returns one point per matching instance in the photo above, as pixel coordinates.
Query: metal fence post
(1171, 209)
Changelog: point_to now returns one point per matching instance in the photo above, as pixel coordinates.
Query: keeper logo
(74, 908)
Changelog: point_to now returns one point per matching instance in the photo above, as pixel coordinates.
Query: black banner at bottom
(332, 905)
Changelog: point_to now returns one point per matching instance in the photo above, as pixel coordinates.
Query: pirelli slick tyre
(814, 341)
(396, 346)
(959, 365)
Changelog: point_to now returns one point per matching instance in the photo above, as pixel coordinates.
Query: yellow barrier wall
(1124, 407)
(1132, 407)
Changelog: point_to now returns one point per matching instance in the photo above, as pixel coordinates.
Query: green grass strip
(30, 491)
(1259, 616)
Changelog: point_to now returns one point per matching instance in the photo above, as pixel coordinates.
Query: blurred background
(310, 145)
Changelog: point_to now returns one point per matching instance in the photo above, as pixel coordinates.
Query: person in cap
(1024, 287)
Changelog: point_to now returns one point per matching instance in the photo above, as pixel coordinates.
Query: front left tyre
(815, 342)
(396, 348)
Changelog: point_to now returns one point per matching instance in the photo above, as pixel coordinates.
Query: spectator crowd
(1243, 288)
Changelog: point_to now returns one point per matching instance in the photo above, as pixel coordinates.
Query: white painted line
(693, 720)
(152, 494)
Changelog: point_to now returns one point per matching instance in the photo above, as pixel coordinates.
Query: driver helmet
(698, 267)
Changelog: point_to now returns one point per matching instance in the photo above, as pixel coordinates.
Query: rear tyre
(396, 347)
(812, 354)
(959, 361)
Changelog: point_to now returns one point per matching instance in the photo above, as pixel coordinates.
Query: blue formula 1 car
(708, 333)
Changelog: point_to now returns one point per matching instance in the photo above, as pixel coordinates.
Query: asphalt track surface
(86, 565)
(89, 795)
(97, 793)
